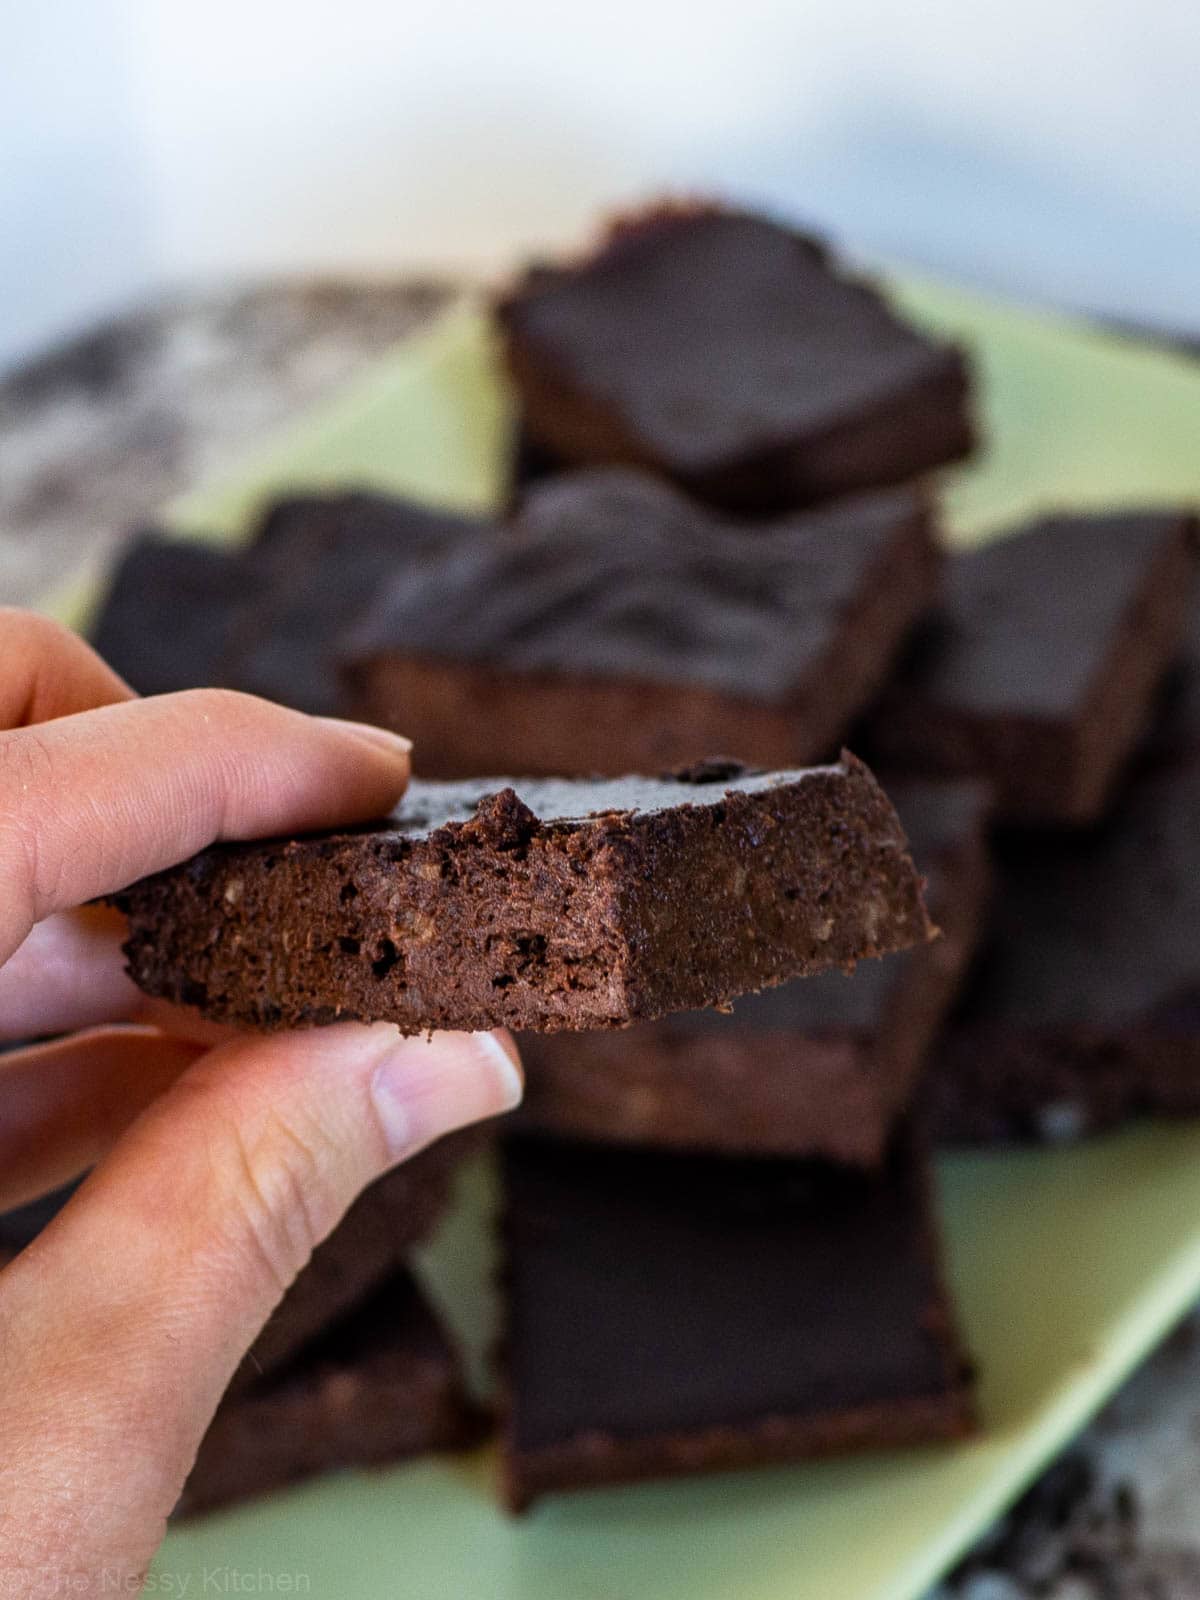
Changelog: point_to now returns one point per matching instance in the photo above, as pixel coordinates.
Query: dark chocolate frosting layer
(716, 334)
(1026, 622)
(614, 573)
(654, 1293)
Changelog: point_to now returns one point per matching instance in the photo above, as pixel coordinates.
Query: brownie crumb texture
(539, 905)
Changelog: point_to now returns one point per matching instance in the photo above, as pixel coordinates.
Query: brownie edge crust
(538, 904)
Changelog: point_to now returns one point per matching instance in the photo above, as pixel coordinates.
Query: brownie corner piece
(1038, 668)
(539, 904)
(669, 1313)
(735, 355)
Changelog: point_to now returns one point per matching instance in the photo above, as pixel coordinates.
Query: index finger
(93, 801)
(46, 671)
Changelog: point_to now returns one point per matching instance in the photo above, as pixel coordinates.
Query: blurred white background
(1043, 147)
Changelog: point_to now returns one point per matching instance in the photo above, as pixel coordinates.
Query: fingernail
(424, 1088)
(383, 738)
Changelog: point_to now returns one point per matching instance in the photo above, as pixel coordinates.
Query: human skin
(219, 1160)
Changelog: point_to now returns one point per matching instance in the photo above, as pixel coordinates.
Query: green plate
(1068, 1265)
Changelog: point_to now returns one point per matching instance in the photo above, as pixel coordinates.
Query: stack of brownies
(720, 1242)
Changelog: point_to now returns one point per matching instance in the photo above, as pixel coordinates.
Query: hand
(220, 1160)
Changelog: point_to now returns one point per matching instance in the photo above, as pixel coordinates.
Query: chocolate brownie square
(671, 1313)
(551, 904)
(321, 560)
(1086, 1007)
(1038, 670)
(821, 1067)
(168, 612)
(734, 355)
(619, 627)
(382, 1384)
(264, 618)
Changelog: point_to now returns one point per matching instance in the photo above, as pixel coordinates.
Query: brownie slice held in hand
(823, 1066)
(538, 904)
(735, 356)
(618, 627)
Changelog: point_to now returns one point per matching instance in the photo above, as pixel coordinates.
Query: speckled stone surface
(99, 433)
(96, 436)
(1117, 1517)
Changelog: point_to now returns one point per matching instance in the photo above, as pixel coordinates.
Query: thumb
(124, 1320)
